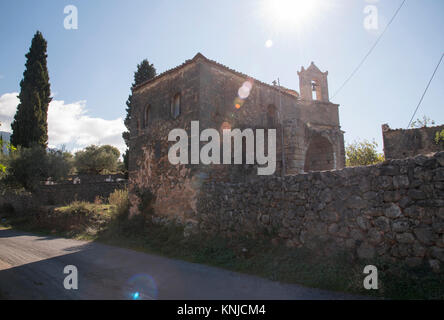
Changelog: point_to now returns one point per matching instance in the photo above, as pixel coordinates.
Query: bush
(136, 226)
(439, 137)
(8, 147)
(97, 160)
(119, 200)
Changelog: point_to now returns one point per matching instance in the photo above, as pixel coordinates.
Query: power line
(425, 91)
(370, 51)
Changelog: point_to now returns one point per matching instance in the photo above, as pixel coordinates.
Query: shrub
(119, 200)
(82, 208)
(135, 226)
(8, 147)
(439, 137)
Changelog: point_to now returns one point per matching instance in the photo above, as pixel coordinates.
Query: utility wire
(369, 52)
(425, 91)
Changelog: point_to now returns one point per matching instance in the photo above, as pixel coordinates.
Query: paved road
(31, 267)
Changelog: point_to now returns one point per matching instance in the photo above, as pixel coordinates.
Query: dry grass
(119, 200)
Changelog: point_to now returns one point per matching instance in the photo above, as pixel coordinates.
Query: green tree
(30, 121)
(145, 71)
(362, 153)
(96, 160)
(2, 160)
(28, 166)
(4, 144)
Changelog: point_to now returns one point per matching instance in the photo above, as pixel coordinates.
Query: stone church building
(309, 136)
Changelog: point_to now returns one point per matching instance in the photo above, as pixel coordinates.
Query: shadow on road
(32, 267)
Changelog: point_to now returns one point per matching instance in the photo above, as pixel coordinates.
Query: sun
(289, 13)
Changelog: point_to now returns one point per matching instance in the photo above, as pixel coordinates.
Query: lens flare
(238, 103)
(291, 14)
(244, 91)
(141, 287)
(248, 84)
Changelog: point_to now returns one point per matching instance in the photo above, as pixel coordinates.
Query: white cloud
(8, 105)
(69, 124)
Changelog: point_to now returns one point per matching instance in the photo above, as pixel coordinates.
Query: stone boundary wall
(393, 210)
(20, 202)
(67, 193)
(404, 143)
(58, 194)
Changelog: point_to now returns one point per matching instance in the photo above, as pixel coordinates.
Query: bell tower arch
(313, 84)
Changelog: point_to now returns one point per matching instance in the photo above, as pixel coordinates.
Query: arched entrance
(319, 155)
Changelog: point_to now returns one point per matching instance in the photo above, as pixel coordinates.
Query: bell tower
(313, 84)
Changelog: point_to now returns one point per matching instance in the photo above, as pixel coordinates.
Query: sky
(91, 68)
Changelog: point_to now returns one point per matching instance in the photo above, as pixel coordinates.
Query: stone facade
(394, 210)
(400, 143)
(309, 137)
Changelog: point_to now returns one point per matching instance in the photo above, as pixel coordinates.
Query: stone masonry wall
(400, 143)
(88, 188)
(393, 210)
(68, 192)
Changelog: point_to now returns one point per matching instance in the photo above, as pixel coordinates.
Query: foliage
(3, 157)
(439, 137)
(362, 153)
(30, 121)
(28, 166)
(425, 122)
(97, 159)
(69, 159)
(145, 71)
(119, 200)
(59, 163)
(125, 225)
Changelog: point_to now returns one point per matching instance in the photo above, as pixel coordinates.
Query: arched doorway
(319, 155)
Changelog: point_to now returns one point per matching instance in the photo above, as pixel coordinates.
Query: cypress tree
(30, 124)
(145, 71)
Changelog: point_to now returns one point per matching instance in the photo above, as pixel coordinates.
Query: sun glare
(288, 13)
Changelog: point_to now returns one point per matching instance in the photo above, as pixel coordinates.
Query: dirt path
(31, 267)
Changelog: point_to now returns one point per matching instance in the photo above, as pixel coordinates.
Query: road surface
(31, 267)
